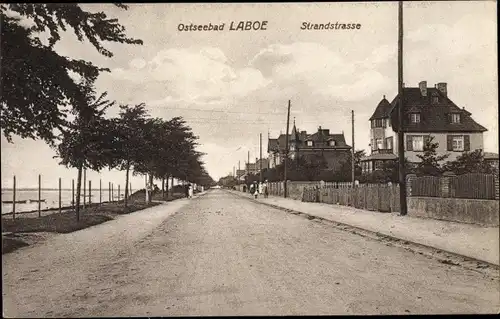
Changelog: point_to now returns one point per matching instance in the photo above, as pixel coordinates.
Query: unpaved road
(221, 254)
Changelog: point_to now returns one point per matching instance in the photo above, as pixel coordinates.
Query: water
(51, 199)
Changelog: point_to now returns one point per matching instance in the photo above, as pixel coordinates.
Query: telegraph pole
(352, 150)
(260, 163)
(286, 149)
(248, 163)
(401, 144)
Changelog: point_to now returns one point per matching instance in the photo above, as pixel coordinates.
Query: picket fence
(374, 197)
(472, 186)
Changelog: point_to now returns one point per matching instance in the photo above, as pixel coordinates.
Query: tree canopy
(39, 85)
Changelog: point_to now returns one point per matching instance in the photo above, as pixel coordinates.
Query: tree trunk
(151, 185)
(172, 186)
(78, 189)
(163, 188)
(126, 184)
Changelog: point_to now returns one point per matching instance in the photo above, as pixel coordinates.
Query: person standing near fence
(266, 190)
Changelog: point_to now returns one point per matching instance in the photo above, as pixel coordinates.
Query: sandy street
(220, 254)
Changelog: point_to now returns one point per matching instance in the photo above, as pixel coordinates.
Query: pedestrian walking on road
(255, 189)
(191, 191)
(186, 190)
(266, 190)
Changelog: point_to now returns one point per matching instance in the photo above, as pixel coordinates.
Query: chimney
(442, 87)
(423, 88)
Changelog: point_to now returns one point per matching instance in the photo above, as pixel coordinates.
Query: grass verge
(66, 222)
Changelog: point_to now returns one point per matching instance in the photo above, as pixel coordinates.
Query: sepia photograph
(249, 159)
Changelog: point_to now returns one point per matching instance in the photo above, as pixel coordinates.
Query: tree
(40, 86)
(130, 127)
(89, 141)
(470, 162)
(345, 171)
(429, 161)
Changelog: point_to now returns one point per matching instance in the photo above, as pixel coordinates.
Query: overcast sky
(231, 85)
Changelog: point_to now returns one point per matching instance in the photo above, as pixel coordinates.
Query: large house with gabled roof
(427, 112)
(332, 147)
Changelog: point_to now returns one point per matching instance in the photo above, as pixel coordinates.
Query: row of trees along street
(52, 97)
(431, 164)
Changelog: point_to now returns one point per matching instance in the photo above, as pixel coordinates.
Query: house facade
(428, 112)
(254, 168)
(332, 147)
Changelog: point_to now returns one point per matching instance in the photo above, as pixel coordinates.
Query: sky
(231, 86)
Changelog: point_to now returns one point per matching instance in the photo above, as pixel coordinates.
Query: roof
(382, 110)
(433, 117)
(320, 139)
(490, 156)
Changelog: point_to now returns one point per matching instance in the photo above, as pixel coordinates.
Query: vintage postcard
(235, 159)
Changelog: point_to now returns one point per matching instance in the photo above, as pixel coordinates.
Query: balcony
(383, 151)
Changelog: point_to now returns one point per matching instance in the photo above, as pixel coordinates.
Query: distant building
(254, 168)
(427, 112)
(301, 144)
(492, 159)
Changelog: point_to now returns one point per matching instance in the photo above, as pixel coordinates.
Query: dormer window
(332, 143)
(414, 118)
(455, 118)
(309, 143)
(435, 99)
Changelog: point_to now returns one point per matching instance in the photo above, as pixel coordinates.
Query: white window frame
(309, 143)
(416, 141)
(389, 141)
(332, 143)
(381, 144)
(415, 118)
(458, 143)
(455, 118)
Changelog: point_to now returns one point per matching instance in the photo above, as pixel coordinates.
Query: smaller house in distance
(332, 147)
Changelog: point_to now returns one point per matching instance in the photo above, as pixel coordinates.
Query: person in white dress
(190, 191)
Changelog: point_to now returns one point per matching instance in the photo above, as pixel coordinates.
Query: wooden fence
(374, 197)
(473, 186)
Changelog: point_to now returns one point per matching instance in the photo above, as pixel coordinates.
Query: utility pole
(260, 163)
(286, 149)
(248, 163)
(401, 142)
(352, 150)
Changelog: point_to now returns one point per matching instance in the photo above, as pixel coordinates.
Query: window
(388, 122)
(332, 143)
(379, 165)
(380, 143)
(455, 118)
(435, 99)
(415, 143)
(309, 143)
(378, 123)
(457, 143)
(415, 118)
(388, 142)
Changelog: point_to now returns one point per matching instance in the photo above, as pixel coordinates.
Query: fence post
(90, 193)
(14, 198)
(59, 195)
(496, 188)
(39, 195)
(444, 182)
